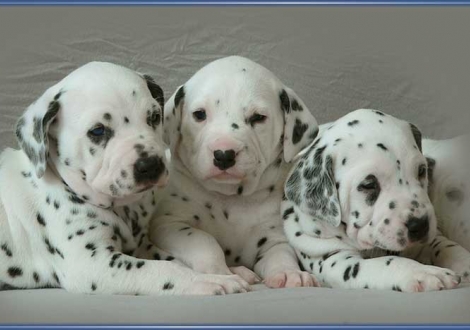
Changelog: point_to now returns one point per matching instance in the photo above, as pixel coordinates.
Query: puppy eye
(155, 117)
(98, 130)
(200, 115)
(370, 183)
(422, 171)
(256, 119)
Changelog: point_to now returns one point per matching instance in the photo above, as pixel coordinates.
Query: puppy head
(232, 120)
(366, 171)
(449, 182)
(100, 130)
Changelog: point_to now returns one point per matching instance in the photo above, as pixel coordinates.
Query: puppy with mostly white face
(75, 201)
(449, 190)
(356, 199)
(233, 128)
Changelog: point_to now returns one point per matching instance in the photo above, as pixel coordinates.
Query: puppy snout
(147, 169)
(224, 159)
(418, 228)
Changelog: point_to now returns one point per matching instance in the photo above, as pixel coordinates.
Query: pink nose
(225, 144)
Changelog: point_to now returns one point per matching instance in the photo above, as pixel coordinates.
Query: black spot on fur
(240, 190)
(353, 123)
(298, 131)
(168, 286)
(6, 249)
(285, 102)
(15, 271)
(40, 220)
(381, 146)
(347, 274)
(261, 242)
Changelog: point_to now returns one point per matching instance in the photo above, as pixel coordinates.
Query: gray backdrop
(410, 62)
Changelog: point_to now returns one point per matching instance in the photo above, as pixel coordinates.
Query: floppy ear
(155, 90)
(300, 127)
(32, 129)
(311, 185)
(173, 114)
(417, 135)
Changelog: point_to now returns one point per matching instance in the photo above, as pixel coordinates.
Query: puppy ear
(32, 129)
(311, 185)
(417, 135)
(155, 90)
(173, 114)
(300, 127)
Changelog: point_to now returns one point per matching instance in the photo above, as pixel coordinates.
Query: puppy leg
(105, 270)
(196, 248)
(280, 269)
(347, 269)
(448, 254)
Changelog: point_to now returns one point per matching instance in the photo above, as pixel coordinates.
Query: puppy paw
(205, 284)
(247, 274)
(290, 279)
(429, 278)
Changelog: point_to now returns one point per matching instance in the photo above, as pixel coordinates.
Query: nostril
(224, 159)
(417, 227)
(144, 165)
(224, 155)
(148, 169)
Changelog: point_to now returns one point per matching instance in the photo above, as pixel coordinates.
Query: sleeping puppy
(76, 199)
(233, 128)
(449, 184)
(358, 194)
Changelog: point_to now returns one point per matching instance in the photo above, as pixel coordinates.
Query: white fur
(333, 221)
(72, 213)
(449, 190)
(211, 218)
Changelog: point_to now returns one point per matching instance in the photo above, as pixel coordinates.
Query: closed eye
(369, 183)
(256, 119)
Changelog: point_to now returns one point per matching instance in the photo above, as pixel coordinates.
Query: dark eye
(422, 171)
(98, 130)
(200, 115)
(155, 117)
(369, 183)
(256, 119)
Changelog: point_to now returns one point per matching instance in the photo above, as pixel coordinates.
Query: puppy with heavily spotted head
(76, 200)
(233, 128)
(449, 190)
(358, 192)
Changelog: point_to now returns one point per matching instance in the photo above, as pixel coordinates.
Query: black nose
(148, 169)
(417, 227)
(224, 159)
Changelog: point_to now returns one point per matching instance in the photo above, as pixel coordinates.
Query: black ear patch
(155, 90)
(298, 131)
(417, 135)
(179, 96)
(431, 165)
(285, 102)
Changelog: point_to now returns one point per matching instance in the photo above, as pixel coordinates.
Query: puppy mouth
(226, 177)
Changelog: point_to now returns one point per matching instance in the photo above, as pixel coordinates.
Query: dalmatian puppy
(233, 128)
(356, 206)
(75, 201)
(448, 163)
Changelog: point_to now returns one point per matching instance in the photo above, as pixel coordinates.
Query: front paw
(290, 279)
(245, 273)
(207, 284)
(428, 278)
